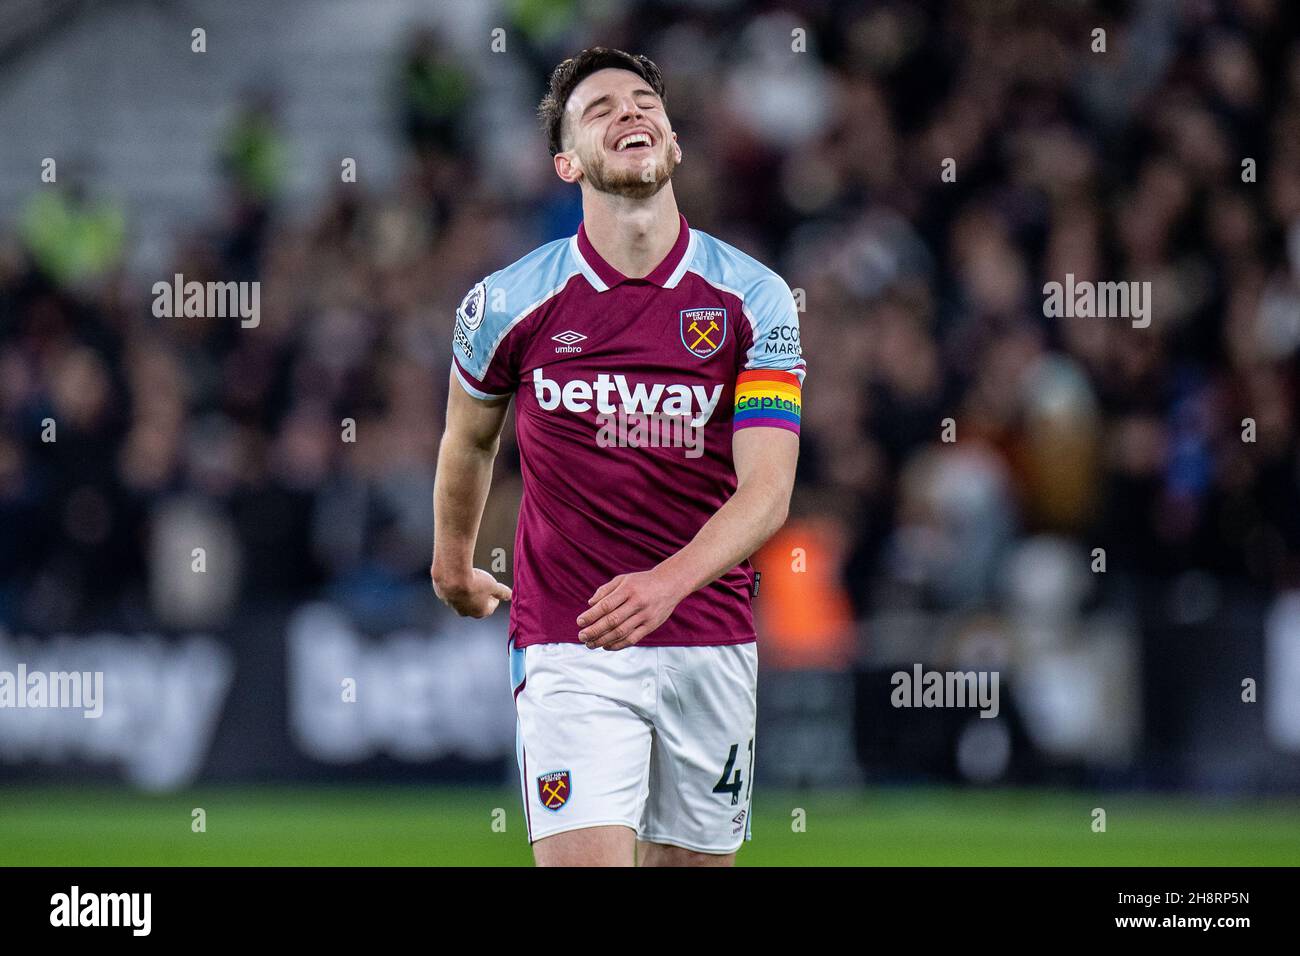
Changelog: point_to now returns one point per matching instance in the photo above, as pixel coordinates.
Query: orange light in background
(804, 618)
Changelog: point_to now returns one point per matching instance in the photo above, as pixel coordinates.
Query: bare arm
(460, 489)
(630, 606)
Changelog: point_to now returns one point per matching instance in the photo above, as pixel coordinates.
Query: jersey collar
(603, 276)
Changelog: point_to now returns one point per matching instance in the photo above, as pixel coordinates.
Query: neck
(632, 235)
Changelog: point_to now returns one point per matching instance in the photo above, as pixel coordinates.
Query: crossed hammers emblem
(703, 334)
(552, 793)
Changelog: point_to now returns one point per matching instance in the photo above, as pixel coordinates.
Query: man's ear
(677, 149)
(567, 166)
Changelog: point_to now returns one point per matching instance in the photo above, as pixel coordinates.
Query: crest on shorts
(704, 330)
(554, 788)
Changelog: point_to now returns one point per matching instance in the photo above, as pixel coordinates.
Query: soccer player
(656, 375)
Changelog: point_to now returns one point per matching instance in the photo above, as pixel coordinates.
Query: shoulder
(770, 312)
(765, 298)
(543, 271)
(500, 302)
(723, 265)
(498, 305)
(510, 294)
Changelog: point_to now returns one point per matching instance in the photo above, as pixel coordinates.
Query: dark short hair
(574, 70)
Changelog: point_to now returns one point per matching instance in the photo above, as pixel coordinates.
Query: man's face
(620, 139)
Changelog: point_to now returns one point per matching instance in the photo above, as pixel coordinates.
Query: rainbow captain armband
(767, 397)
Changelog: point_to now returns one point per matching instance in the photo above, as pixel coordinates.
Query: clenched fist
(477, 596)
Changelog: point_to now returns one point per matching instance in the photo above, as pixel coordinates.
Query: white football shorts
(659, 739)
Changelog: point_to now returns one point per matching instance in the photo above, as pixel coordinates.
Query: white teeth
(633, 139)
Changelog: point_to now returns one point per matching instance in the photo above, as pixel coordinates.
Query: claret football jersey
(627, 393)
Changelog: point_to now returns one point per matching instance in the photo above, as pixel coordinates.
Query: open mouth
(633, 142)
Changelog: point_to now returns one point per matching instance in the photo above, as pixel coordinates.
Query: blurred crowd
(298, 455)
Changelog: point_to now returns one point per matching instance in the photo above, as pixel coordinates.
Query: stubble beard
(631, 183)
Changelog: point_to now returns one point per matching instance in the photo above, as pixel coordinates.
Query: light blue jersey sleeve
(491, 327)
(769, 335)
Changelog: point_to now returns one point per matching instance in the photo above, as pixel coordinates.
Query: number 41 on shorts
(733, 785)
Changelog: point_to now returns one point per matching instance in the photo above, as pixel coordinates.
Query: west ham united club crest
(554, 789)
(704, 331)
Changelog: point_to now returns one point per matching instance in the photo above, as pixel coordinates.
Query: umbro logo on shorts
(554, 788)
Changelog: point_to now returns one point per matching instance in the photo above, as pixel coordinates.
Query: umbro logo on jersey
(568, 342)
